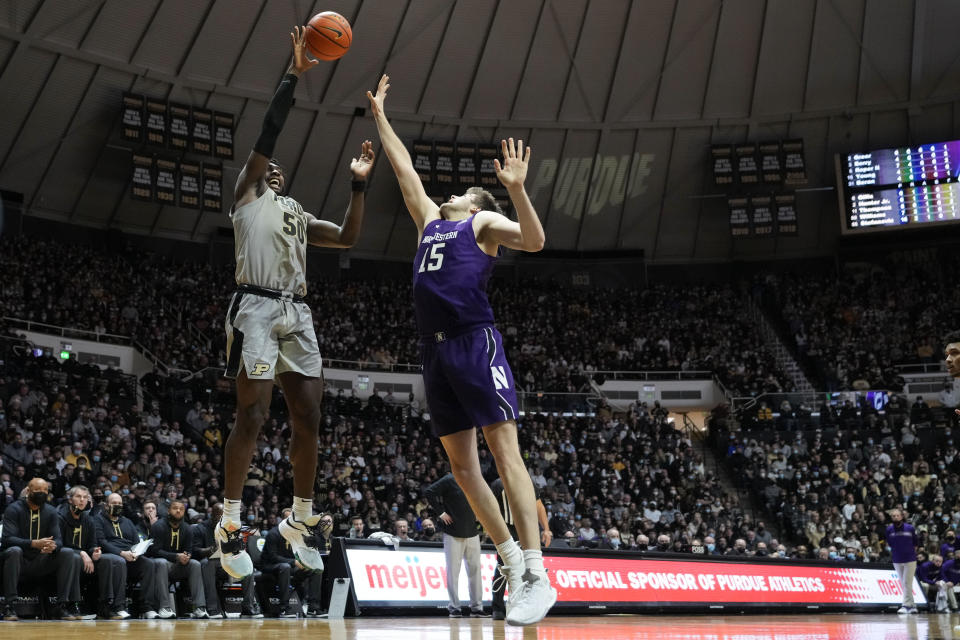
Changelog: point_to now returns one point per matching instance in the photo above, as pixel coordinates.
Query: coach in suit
(33, 547)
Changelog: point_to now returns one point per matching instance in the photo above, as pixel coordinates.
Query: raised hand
(361, 166)
(301, 61)
(513, 172)
(376, 101)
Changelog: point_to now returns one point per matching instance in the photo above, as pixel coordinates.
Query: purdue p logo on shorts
(260, 368)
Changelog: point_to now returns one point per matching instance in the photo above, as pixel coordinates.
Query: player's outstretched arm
(422, 209)
(250, 182)
(526, 234)
(323, 233)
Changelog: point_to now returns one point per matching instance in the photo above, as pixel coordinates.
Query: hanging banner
(142, 181)
(722, 164)
(156, 122)
(223, 135)
(212, 187)
(189, 191)
(201, 136)
(423, 162)
(166, 172)
(179, 116)
(131, 127)
(466, 158)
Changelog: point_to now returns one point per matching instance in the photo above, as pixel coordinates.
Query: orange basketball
(328, 35)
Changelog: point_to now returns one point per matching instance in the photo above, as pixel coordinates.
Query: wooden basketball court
(620, 627)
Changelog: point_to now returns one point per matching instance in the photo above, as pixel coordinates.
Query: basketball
(328, 35)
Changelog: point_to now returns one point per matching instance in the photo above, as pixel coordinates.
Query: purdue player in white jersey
(270, 333)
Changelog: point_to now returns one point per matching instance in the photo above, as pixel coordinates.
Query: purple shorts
(468, 381)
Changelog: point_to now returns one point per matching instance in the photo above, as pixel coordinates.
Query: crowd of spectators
(830, 488)
(851, 329)
(175, 309)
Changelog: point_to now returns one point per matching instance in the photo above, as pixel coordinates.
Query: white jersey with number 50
(270, 243)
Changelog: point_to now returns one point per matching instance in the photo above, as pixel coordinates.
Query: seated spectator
(81, 533)
(205, 551)
(401, 529)
(277, 560)
(120, 537)
(33, 548)
(173, 545)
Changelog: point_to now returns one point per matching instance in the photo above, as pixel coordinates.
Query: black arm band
(358, 186)
(276, 115)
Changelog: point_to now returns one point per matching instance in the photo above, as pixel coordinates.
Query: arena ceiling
(639, 87)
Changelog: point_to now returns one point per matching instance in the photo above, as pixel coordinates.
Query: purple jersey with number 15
(450, 275)
(466, 376)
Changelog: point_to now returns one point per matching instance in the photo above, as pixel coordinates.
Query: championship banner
(486, 154)
(739, 216)
(443, 164)
(771, 169)
(189, 191)
(466, 156)
(156, 122)
(166, 172)
(201, 135)
(212, 187)
(793, 162)
(761, 215)
(785, 204)
(416, 577)
(746, 155)
(722, 164)
(141, 182)
(179, 115)
(132, 120)
(423, 162)
(223, 135)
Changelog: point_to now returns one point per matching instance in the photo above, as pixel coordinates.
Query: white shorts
(266, 336)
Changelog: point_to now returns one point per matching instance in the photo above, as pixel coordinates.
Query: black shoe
(478, 613)
(316, 612)
(10, 613)
(107, 612)
(499, 615)
(290, 612)
(456, 613)
(68, 611)
(251, 613)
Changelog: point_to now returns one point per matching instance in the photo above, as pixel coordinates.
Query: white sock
(534, 560)
(302, 508)
(231, 510)
(510, 552)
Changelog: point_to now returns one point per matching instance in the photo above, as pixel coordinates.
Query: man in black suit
(119, 538)
(33, 548)
(173, 544)
(205, 551)
(277, 559)
(81, 533)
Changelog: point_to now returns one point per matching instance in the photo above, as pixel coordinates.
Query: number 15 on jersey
(435, 257)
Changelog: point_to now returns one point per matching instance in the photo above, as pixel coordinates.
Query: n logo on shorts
(260, 368)
(499, 378)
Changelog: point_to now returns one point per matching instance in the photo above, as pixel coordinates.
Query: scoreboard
(905, 186)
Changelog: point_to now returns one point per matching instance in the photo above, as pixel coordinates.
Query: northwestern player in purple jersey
(465, 371)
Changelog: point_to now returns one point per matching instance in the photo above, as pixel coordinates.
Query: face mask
(711, 547)
(38, 498)
(615, 543)
(158, 475)
(75, 509)
(251, 518)
(429, 531)
(364, 478)
(782, 554)
(833, 555)
(114, 478)
(76, 452)
(115, 510)
(126, 491)
(395, 509)
(96, 458)
(851, 556)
